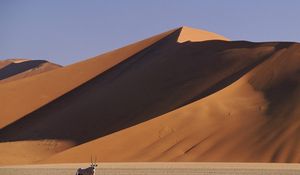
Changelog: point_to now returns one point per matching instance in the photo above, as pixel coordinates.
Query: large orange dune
(31, 93)
(184, 95)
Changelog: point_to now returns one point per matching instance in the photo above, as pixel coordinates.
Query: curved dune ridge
(184, 95)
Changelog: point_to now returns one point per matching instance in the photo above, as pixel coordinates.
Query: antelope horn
(91, 160)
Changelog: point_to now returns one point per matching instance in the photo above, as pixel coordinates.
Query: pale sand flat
(158, 168)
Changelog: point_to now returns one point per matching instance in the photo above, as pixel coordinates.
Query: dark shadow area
(163, 77)
(280, 82)
(16, 68)
(281, 94)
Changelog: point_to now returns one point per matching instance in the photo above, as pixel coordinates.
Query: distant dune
(14, 69)
(183, 95)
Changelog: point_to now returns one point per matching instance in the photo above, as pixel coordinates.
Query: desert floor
(158, 168)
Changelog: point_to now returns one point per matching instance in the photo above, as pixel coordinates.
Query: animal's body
(86, 171)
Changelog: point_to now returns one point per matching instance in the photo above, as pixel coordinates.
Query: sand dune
(14, 69)
(184, 95)
(6, 62)
(33, 92)
(233, 124)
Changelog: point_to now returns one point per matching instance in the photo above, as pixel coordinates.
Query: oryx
(88, 171)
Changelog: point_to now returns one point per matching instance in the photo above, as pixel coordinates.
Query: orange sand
(184, 95)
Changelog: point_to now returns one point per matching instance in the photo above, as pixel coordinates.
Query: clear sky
(67, 31)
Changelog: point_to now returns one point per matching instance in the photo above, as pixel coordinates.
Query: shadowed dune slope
(33, 92)
(6, 62)
(14, 69)
(255, 119)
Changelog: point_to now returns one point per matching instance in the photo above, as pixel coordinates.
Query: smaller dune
(14, 69)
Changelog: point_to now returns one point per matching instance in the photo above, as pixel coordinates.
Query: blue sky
(67, 31)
